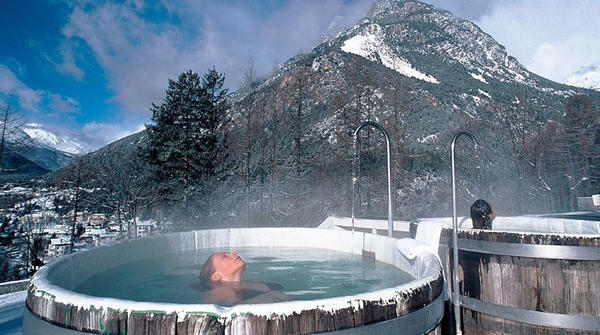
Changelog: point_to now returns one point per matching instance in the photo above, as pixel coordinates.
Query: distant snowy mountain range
(67, 141)
(586, 77)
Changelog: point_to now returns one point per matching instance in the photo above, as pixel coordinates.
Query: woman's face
(229, 266)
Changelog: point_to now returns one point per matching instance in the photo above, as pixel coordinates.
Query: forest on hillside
(210, 159)
(273, 154)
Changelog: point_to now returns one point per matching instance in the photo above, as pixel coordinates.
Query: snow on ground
(479, 77)
(482, 92)
(12, 298)
(429, 138)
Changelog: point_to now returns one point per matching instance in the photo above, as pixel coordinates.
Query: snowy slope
(420, 41)
(586, 77)
(370, 45)
(65, 141)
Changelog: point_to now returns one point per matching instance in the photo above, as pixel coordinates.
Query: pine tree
(214, 139)
(581, 121)
(186, 142)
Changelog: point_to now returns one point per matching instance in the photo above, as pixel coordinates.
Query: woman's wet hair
(207, 271)
(481, 212)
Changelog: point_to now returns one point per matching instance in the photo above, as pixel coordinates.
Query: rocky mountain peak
(410, 29)
(586, 77)
(396, 8)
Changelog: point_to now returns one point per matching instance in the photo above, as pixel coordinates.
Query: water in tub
(303, 274)
(12, 306)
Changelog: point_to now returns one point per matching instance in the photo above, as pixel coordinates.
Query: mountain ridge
(297, 125)
(586, 77)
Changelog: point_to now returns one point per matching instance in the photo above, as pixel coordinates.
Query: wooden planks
(358, 313)
(569, 288)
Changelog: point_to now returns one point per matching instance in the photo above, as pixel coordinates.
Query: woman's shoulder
(262, 286)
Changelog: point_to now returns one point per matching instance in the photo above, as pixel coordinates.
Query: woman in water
(221, 277)
(482, 214)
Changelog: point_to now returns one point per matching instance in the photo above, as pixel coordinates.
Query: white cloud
(63, 105)
(552, 59)
(553, 38)
(68, 62)
(32, 102)
(139, 55)
(12, 87)
(100, 134)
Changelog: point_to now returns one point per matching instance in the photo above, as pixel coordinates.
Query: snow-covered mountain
(58, 139)
(423, 74)
(37, 149)
(586, 77)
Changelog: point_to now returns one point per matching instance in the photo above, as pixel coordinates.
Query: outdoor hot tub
(415, 307)
(529, 275)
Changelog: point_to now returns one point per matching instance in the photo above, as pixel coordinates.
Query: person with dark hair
(221, 278)
(226, 266)
(482, 214)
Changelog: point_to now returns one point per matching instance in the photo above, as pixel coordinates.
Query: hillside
(33, 151)
(423, 74)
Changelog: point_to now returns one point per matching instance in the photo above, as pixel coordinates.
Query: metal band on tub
(531, 250)
(565, 321)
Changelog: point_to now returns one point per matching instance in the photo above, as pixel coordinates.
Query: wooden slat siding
(247, 324)
(275, 323)
(306, 322)
(293, 325)
(323, 321)
(151, 323)
(136, 322)
(116, 322)
(359, 317)
(163, 324)
(526, 238)
(88, 320)
(344, 318)
(545, 285)
(200, 324)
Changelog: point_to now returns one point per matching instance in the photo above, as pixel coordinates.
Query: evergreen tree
(214, 138)
(581, 121)
(186, 142)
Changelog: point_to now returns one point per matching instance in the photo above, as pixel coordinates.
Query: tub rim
(41, 285)
(464, 225)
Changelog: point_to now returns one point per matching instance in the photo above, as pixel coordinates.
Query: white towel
(429, 232)
(411, 248)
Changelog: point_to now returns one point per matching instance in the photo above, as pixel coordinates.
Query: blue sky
(96, 66)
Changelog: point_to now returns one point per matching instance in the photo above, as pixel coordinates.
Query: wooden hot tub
(529, 275)
(415, 307)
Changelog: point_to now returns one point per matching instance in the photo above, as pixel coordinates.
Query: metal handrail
(456, 299)
(389, 172)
